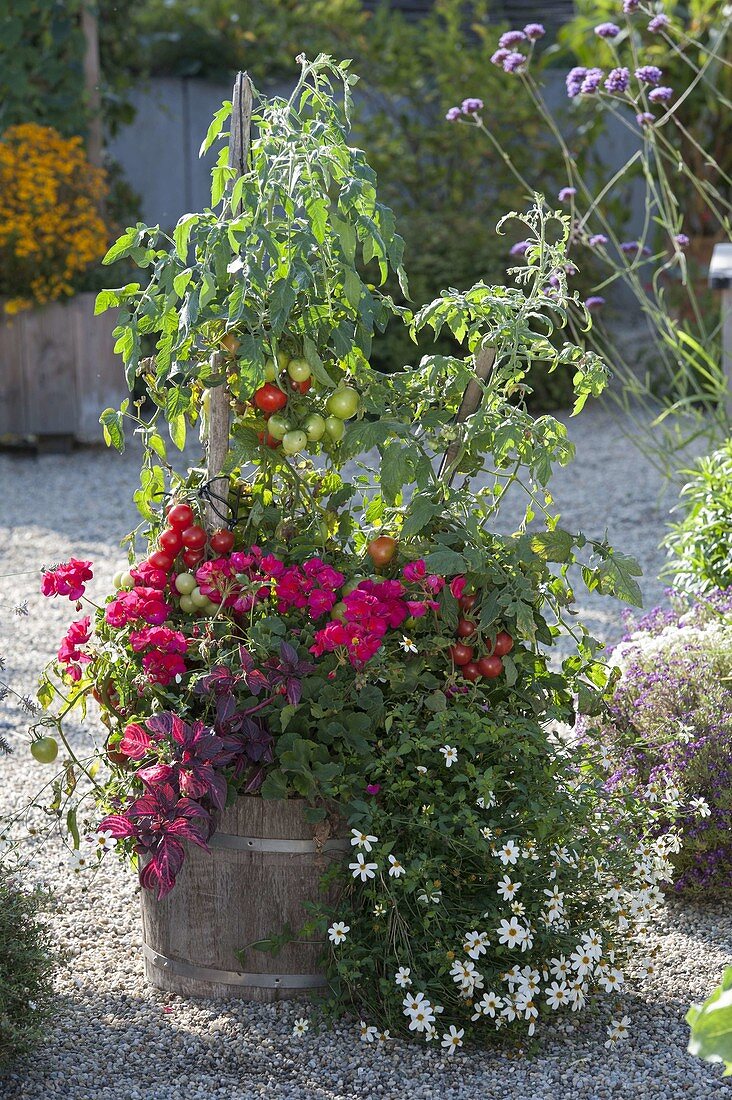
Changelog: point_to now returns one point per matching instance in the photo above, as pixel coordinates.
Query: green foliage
(215, 38)
(27, 963)
(699, 544)
(42, 69)
(711, 1025)
(447, 195)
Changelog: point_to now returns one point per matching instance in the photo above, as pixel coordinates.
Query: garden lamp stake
(720, 278)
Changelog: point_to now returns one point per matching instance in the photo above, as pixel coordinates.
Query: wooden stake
(472, 398)
(218, 424)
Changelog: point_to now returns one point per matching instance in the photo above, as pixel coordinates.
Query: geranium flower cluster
(372, 609)
(70, 655)
(68, 579)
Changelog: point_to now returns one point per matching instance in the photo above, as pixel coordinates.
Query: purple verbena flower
(591, 82)
(607, 30)
(570, 269)
(597, 238)
(554, 282)
(660, 95)
(510, 39)
(645, 118)
(514, 63)
(500, 56)
(617, 81)
(682, 240)
(631, 247)
(534, 31)
(453, 114)
(520, 248)
(470, 106)
(566, 194)
(658, 23)
(649, 74)
(595, 301)
(574, 81)
(629, 6)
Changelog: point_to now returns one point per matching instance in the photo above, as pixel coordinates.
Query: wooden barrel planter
(58, 370)
(266, 861)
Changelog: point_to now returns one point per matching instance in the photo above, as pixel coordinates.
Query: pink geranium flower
(68, 579)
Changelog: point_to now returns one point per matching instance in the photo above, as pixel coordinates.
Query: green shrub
(27, 962)
(700, 545)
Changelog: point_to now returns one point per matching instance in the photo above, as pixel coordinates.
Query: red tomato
(467, 603)
(180, 516)
(270, 398)
(470, 671)
(301, 387)
(269, 440)
(461, 654)
(193, 558)
(504, 644)
(465, 628)
(194, 538)
(490, 667)
(170, 540)
(382, 549)
(222, 541)
(160, 560)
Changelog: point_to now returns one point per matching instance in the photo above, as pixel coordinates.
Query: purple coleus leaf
(160, 872)
(197, 749)
(158, 821)
(289, 671)
(135, 742)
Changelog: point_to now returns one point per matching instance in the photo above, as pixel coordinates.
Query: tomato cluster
(182, 544)
(488, 667)
(288, 424)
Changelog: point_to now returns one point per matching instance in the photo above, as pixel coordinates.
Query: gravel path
(116, 1039)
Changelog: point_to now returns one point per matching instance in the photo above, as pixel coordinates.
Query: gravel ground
(116, 1039)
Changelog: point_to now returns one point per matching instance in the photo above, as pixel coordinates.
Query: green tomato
(278, 426)
(185, 583)
(198, 598)
(127, 581)
(187, 605)
(335, 428)
(314, 427)
(117, 581)
(298, 370)
(270, 371)
(339, 611)
(45, 750)
(343, 402)
(294, 442)
(351, 586)
(282, 360)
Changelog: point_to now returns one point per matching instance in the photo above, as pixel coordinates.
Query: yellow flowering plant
(51, 225)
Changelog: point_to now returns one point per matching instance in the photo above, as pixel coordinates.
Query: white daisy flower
(508, 853)
(363, 840)
(338, 932)
(488, 1005)
(557, 995)
(507, 889)
(452, 1039)
(361, 869)
(407, 644)
(102, 840)
(368, 1033)
(450, 755)
(301, 1026)
(475, 944)
(402, 977)
(395, 869)
(511, 932)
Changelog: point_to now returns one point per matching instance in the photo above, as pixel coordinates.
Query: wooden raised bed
(266, 862)
(58, 370)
